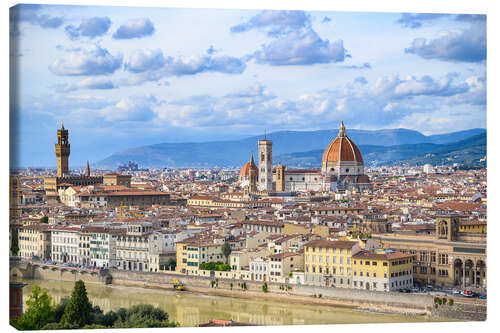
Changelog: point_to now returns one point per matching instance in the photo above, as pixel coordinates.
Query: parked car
(467, 293)
(482, 297)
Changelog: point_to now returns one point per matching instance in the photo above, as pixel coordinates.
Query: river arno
(191, 309)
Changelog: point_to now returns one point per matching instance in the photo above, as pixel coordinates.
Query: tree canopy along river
(192, 309)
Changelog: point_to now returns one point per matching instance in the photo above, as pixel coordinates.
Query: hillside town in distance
(415, 229)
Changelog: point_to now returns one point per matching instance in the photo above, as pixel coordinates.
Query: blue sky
(128, 76)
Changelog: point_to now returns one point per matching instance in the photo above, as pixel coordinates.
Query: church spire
(342, 130)
(251, 160)
(87, 170)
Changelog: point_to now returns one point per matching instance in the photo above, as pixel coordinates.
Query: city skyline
(123, 77)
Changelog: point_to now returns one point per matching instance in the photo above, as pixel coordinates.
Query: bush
(215, 266)
(319, 295)
(59, 326)
(435, 306)
(450, 302)
(143, 315)
(264, 287)
(94, 326)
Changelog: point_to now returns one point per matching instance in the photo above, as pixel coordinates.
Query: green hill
(467, 152)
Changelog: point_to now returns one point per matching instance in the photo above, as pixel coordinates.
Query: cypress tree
(78, 310)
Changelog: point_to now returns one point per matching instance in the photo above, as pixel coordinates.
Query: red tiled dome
(247, 166)
(342, 149)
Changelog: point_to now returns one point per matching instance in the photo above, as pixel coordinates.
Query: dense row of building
(344, 226)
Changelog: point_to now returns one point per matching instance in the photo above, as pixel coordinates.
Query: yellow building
(34, 241)
(200, 201)
(329, 263)
(382, 270)
(474, 226)
(192, 252)
(115, 179)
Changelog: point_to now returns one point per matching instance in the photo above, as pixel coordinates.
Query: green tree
(59, 309)
(226, 250)
(143, 315)
(39, 311)
(78, 310)
(14, 247)
(44, 219)
(171, 264)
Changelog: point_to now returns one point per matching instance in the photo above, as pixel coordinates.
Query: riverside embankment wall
(360, 299)
(390, 302)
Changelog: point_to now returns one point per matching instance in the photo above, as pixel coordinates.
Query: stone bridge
(37, 270)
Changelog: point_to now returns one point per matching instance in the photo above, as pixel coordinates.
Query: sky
(121, 77)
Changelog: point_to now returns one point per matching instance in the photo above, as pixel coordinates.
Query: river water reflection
(191, 309)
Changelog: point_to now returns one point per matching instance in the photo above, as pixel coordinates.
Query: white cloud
(92, 60)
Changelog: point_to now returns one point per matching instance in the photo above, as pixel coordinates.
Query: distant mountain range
(293, 148)
(470, 152)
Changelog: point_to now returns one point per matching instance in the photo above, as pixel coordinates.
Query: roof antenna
(265, 136)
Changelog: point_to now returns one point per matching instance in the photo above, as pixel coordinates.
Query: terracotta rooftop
(381, 256)
(331, 244)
